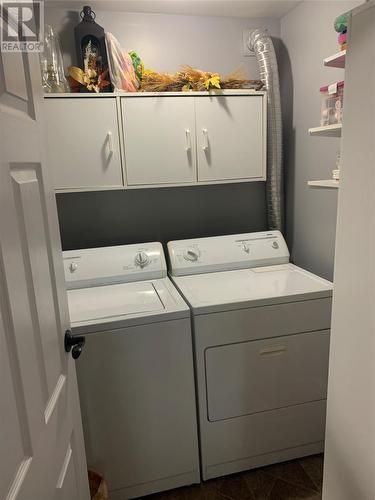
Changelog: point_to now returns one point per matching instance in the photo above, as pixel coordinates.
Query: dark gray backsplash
(103, 218)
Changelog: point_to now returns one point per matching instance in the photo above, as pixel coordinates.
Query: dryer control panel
(226, 253)
(116, 264)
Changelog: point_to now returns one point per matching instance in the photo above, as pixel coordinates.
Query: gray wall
(139, 215)
(166, 41)
(120, 217)
(308, 36)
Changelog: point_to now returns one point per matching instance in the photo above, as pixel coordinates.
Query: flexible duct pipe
(261, 43)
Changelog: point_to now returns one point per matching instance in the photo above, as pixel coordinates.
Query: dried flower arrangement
(237, 80)
(90, 77)
(189, 78)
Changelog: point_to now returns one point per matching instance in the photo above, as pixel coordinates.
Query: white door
(349, 459)
(159, 137)
(41, 451)
(83, 142)
(231, 138)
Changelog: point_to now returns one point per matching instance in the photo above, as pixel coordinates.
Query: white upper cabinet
(231, 138)
(159, 140)
(83, 142)
(150, 140)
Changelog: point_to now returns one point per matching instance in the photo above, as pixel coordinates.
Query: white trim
(211, 93)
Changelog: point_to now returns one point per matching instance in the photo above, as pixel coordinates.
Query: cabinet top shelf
(211, 93)
(336, 61)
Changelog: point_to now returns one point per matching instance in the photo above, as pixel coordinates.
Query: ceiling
(228, 8)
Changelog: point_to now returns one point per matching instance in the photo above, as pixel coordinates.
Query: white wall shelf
(336, 61)
(327, 130)
(329, 183)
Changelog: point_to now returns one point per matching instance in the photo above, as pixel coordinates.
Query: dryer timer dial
(142, 259)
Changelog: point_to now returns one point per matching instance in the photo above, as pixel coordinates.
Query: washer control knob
(191, 254)
(73, 267)
(275, 245)
(141, 259)
(245, 247)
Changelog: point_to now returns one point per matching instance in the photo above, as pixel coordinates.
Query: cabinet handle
(110, 144)
(205, 139)
(272, 350)
(188, 140)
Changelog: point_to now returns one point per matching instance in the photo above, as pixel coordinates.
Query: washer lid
(250, 287)
(109, 301)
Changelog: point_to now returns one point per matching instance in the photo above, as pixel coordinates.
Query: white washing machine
(261, 335)
(136, 374)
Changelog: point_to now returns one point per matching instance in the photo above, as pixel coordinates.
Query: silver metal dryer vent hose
(260, 42)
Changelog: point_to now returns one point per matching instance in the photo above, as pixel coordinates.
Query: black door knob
(74, 343)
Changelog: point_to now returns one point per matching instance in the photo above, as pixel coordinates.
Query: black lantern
(90, 46)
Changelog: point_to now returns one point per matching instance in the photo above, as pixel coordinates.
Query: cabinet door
(231, 138)
(159, 138)
(83, 142)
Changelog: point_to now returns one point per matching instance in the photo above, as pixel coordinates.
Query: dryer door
(262, 375)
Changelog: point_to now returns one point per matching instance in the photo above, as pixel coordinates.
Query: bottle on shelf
(336, 172)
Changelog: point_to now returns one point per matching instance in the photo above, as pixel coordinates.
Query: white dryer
(261, 335)
(136, 375)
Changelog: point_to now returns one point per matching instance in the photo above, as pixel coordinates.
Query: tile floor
(295, 480)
